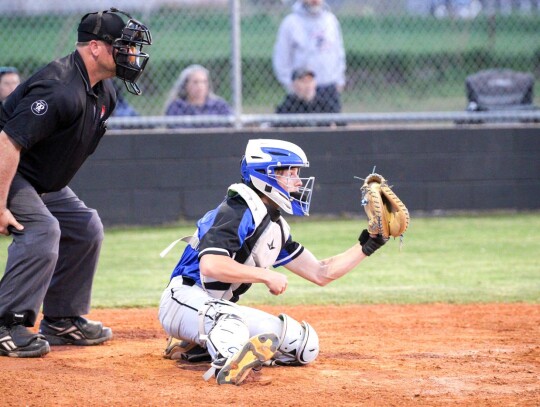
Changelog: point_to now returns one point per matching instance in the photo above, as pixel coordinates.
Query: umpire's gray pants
(54, 259)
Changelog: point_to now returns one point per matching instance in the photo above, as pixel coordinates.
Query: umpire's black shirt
(58, 120)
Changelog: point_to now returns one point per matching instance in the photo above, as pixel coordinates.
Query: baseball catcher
(387, 215)
(239, 243)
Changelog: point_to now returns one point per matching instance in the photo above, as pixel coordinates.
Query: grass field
(458, 259)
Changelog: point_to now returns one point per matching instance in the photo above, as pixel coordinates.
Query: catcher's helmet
(126, 38)
(263, 157)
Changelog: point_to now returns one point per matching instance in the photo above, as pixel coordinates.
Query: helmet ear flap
(244, 171)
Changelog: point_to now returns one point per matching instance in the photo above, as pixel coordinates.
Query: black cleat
(18, 342)
(75, 331)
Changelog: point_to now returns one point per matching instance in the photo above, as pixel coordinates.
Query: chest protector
(260, 249)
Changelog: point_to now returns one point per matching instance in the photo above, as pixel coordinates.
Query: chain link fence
(406, 60)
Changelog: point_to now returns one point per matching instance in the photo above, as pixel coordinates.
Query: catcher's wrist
(370, 244)
(363, 238)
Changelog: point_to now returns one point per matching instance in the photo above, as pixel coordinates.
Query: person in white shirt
(311, 36)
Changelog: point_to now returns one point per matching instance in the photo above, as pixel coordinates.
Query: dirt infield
(389, 355)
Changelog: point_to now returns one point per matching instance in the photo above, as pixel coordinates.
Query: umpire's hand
(8, 222)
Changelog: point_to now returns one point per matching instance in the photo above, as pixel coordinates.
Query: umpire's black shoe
(18, 342)
(74, 331)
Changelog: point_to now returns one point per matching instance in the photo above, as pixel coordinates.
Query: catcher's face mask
(129, 58)
(299, 189)
(127, 40)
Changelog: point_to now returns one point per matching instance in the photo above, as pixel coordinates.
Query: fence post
(236, 63)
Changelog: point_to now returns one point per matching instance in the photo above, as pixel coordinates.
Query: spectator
(9, 80)
(123, 108)
(192, 95)
(311, 36)
(306, 99)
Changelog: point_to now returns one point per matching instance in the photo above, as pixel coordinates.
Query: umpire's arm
(10, 154)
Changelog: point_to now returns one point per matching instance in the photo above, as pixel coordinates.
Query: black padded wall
(137, 178)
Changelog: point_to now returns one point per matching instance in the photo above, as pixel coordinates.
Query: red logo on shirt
(102, 111)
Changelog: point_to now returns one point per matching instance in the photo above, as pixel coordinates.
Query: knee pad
(229, 331)
(298, 343)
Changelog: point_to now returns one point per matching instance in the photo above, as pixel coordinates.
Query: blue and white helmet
(263, 157)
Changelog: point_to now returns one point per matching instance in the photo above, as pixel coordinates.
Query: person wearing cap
(306, 98)
(49, 126)
(311, 36)
(9, 80)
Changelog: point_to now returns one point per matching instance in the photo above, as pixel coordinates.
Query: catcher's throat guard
(387, 214)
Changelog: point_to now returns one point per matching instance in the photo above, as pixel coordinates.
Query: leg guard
(298, 343)
(227, 337)
(228, 333)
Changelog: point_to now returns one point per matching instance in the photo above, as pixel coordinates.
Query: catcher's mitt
(387, 215)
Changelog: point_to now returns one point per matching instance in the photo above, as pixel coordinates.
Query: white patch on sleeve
(39, 107)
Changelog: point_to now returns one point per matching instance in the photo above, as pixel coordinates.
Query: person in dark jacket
(49, 126)
(123, 108)
(307, 98)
